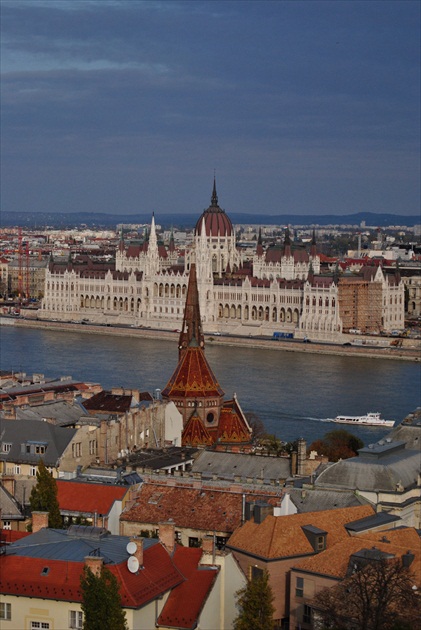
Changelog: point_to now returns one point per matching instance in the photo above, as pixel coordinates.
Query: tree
(337, 444)
(43, 496)
(255, 602)
(379, 595)
(256, 425)
(101, 601)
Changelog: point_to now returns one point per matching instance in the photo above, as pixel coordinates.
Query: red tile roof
(195, 433)
(185, 602)
(193, 377)
(21, 575)
(75, 496)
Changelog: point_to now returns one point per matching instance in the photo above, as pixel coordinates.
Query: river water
(294, 394)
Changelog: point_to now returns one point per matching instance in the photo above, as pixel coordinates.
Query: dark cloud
(306, 105)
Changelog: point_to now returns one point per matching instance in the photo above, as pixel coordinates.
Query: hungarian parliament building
(281, 288)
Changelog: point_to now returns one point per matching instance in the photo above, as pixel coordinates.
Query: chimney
(139, 550)
(407, 559)
(208, 545)
(167, 535)
(39, 521)
(294, 457)
(95, 564)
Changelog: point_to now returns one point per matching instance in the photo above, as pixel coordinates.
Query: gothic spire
(259, 248)
(313, 248)
(287, 244)
(214, 198)
(191, 332)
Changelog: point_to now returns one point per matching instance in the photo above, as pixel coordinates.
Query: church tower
(208, 420)
(193, 387)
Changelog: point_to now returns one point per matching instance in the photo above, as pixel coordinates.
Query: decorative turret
(287, 244)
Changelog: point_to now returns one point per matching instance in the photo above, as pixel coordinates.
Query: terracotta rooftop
(334, 562)
(197, 508)
(283, 536)
(74, 496)
(193, 377)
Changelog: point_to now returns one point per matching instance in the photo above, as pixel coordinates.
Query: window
(194, 542)
(307, 614)
(40, 625)
(75, 619)
(299, 587)
(5, 611)
(256, 573)
(5, 447)
(17, 469)
(33, 471)
(7, 524)
(320, 543)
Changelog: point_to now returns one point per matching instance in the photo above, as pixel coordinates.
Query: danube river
(295, 394)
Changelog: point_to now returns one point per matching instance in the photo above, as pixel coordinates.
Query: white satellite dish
(131, 547)
(133, 564)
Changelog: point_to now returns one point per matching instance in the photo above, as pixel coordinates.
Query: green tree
(255, 602)
(337, 444)
(377, 596)
(101, 601)
(43, 497)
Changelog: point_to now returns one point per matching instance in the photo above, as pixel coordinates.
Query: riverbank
(410, 351)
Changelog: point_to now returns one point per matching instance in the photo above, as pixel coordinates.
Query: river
(294, 394)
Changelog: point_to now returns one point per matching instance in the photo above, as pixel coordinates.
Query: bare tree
(378, 594)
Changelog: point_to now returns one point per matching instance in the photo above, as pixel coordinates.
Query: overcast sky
(130, 106)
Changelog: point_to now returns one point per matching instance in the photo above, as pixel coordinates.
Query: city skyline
(130, 107)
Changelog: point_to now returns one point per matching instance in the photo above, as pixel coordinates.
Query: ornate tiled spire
(191, 332)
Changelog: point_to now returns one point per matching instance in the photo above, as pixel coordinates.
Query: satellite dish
(133, 564)
(131, 547)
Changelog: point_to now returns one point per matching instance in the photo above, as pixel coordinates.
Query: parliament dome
(217, 223)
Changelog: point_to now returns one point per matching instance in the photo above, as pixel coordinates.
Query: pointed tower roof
(172, 243)
(259, 248)
(287, 244)
(195, 433)
(191, 332)
(121, 243)
(193, 376)
(214, 198)
(313, 248)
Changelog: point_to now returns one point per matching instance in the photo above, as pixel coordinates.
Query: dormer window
(316, 537)
(6, 447)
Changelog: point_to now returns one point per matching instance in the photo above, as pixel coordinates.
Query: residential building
(277, 543)
(311, 575)
(162, 585)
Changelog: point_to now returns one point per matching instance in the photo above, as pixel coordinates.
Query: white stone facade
(147, 287)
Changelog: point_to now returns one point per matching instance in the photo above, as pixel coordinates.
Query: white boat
(370, 419)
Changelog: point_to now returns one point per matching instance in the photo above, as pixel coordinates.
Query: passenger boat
(370, 419)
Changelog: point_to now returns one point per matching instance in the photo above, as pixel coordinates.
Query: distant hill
(98, 219)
